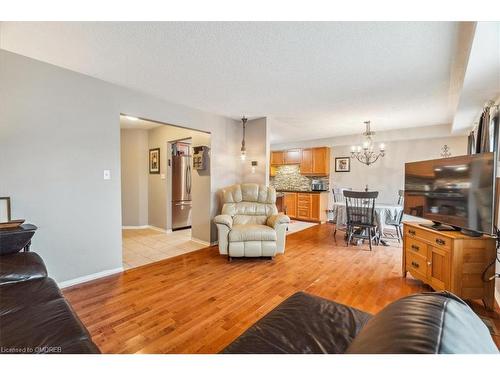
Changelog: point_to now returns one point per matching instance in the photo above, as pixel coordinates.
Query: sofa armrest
(21, 266)
(225, 220)
(274, 220)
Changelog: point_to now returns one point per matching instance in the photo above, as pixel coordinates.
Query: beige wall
(387, 175)
(134, 176)
(160, 189)
(58, 131)
(257, 145)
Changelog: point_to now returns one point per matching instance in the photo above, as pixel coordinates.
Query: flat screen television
(457, 192)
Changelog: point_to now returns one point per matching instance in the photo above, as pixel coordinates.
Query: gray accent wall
(58, 131)
(134, 176)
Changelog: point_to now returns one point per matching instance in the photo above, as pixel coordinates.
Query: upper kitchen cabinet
(306, 165)
(277, 158)
(293, 156)
(312, 161)
(321, 161)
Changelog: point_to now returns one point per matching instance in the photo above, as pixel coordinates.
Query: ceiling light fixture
(131, 118)
(365, 154)
(243, 151)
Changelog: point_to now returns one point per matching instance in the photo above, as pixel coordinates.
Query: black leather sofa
(427, 323)
(34, 316)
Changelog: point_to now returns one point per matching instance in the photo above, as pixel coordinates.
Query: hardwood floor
(199, 302)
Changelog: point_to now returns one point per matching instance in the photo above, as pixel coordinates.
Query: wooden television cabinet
(450, 261)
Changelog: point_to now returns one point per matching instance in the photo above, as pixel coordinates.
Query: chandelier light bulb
(243, 155)
(382, 147)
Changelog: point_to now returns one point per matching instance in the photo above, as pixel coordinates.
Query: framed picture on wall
(343, 164)
(154, 161)
(4, 209)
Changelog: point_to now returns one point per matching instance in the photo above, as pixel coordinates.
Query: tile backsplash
(288, 177)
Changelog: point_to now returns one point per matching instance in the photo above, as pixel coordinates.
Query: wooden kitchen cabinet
(307, 206)
(290, 203)
(450, 261)
(293, 156)
(306, 164)
(321, 161)
(312, 161)
(277, 158)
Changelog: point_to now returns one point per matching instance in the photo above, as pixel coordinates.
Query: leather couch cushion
(427, 323)
(17, 296)
(252, 232)
(302, 324)
(35, 316)
(21, 266)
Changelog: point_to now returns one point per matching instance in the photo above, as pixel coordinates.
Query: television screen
(457, 191)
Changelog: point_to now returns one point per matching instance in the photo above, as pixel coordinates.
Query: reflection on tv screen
(457, 191)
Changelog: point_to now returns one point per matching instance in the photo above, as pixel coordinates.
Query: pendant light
(243, 151)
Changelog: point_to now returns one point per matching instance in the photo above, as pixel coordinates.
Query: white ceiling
(482, 77)
(316, 79)
(131, 123)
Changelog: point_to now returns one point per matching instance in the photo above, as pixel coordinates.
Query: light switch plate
(162, 176)
(107, 174)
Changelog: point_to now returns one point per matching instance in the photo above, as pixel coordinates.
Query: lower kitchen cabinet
(306, 206)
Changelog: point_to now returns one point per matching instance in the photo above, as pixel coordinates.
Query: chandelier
(365, 154)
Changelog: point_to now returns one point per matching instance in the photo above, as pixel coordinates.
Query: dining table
(384, 213)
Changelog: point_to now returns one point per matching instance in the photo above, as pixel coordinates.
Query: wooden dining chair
(397, 222)
(360, 209)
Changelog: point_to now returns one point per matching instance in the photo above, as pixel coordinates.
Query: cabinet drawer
(415, 246)
(303, 197)
(417, 265)
(303, 212)
(430, 237)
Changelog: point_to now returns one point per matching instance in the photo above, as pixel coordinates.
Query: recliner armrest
(224, 219)
(277, 219)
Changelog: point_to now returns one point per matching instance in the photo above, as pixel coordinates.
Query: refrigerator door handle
(188, 177)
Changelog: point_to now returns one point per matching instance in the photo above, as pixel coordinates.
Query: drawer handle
(412, 232)
(415, 264)
(415, 247)
(439, 241)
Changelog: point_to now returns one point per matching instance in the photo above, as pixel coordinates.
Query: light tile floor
(297, 226)
(143, 246)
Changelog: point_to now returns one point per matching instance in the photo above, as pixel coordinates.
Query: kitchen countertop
(302, 191)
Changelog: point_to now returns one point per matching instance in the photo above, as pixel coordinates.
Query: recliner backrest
(249, 203)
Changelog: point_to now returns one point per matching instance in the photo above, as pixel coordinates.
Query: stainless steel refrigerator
(181, 192)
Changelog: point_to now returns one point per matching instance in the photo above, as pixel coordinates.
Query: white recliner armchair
(249, 225)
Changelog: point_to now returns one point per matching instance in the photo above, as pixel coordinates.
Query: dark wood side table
(13, 240)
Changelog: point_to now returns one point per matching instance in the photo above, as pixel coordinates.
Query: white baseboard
(200, 241)
(83, 279)
(146, 227)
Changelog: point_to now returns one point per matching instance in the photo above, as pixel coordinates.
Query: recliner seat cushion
(252, 232)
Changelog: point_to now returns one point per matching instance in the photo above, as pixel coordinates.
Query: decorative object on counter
(445, 151)
(243, 150)
(4, 209)
(288, 177)
(343, 164)
(365, 154)
(154, 161)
